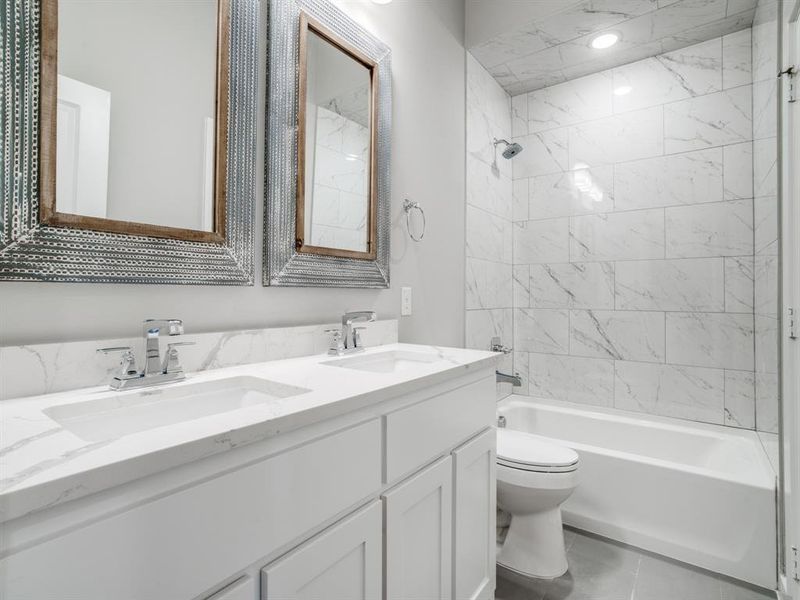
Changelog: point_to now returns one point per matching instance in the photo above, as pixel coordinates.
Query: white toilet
(534, 478)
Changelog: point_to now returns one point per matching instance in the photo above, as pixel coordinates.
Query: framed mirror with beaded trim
(129, 141)
(328, 149)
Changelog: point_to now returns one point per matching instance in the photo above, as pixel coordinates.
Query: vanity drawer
(419, 433)
(180, 545)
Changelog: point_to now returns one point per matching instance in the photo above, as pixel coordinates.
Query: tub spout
(514, 379)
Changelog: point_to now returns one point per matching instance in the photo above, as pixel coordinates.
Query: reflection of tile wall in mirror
(337, 182)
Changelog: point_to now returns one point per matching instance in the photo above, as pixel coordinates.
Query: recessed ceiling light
(381, 1)
(623, 90)
(603, 41)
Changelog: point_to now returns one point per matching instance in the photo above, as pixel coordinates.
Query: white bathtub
(701, 494)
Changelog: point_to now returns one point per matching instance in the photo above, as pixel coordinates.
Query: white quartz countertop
(43, 464)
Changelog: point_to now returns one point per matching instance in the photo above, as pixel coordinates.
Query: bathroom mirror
(335, 192)
(328, 148)
(135, 141)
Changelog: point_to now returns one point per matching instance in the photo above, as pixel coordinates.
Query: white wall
(142, 52)
(426, 37)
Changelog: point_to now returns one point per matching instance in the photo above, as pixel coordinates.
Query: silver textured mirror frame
(283, 264)
(30, 251)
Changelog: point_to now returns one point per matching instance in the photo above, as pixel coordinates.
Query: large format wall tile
(572, 379)
(719, 229)
(621, 335)
(673, 285)
(543, 153)
(672, 391)
(572, 285)
(706, 121)
(765, 167)
(488, 284)
(541, 241)
(740, 399)
(767, 407)
(737, 63)
(522, 286)
(488, 190)
(575, 101)
(684, 73)
(717, 340)
(541, 330)
(580, 192)
(488, 237)
(738, 171)
(739, 281)
(620, 138)
(618, 236)
(691, 178)
(483, 325)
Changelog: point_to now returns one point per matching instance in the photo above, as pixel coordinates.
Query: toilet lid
(529, 452)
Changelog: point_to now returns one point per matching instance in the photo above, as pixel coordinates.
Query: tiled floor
(603, 570)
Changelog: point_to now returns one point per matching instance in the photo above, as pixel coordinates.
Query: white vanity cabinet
(393, 500)
(419, 525)
(342, 562)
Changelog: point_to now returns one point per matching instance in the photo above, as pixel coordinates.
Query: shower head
(511, 149)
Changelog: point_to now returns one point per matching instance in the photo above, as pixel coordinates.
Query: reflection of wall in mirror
(158, 60)
(84, 119)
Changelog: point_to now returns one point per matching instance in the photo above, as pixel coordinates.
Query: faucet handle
(128, 361)
(337, 344)
(498, 346)
(171, 363)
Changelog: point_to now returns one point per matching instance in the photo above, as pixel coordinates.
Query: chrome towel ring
(409, 206)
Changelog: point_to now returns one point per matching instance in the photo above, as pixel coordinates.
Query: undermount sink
(119, 414)
(394, 361)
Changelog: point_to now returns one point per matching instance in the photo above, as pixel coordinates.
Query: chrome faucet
(156, 371)
(348, 340)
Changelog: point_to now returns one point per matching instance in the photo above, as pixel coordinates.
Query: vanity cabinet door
(341, 563)
(419, 517)
(241, 589)
(474, 520)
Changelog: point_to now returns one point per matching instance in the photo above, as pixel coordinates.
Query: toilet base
(534, 545)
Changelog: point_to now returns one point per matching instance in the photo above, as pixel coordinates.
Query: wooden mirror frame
(310, 24)
(49, 215)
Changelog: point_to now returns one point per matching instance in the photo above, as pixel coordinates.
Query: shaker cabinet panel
(474, 520)
(241, 589)
(419, 514)
(342, 563)
(419, 433)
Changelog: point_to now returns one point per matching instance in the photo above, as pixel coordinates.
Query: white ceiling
(531, 44)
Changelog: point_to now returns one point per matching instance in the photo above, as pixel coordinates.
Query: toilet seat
(532, 453)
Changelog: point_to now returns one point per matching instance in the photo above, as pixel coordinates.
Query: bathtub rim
(768, 479)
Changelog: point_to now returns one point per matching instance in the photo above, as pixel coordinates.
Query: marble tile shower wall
(633, 236)
(765, 148)
(489, 227)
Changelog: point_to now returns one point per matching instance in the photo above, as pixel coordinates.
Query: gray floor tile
(600, 569)
(662, 580)
(735, 591)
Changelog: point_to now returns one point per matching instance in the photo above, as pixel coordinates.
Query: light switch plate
(405, 302)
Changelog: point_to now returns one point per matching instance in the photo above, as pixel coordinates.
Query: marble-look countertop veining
(43, 464)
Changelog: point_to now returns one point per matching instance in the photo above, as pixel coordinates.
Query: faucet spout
(152, 330)
(349, 334)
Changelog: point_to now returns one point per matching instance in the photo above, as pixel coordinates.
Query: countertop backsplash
(47, 368)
